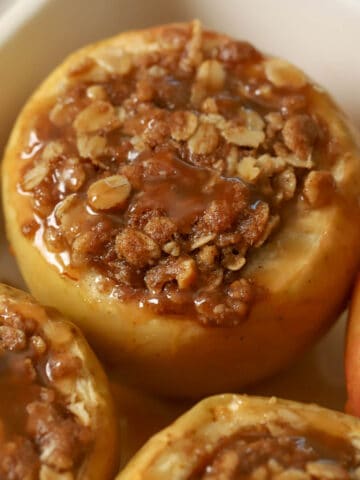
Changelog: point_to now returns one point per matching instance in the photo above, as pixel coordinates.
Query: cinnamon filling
(165, 171)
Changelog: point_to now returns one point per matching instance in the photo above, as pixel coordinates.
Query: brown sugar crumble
(40, 438)
(165, 170)
(255, 454)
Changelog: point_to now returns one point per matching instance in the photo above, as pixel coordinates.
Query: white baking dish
(321, 36)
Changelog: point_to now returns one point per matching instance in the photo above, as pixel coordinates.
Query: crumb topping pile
(166, 170)
(257, 455)
(40, 437)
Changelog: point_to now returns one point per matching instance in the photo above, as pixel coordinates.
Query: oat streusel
(255, 454)
(165, 172)
(41, 435)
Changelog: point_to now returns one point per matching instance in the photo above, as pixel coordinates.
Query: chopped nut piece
(137, 248)
(211, 74)
(233, 261)
(242, 136)
(99, 115)
(109, 192)
(247, 169)
(183, 125)
(172, 248)
(207, 256)
(181, 269)
(35, 176)
(285, 184)
(254, 226)
(300, 133)
(204, 140)
(283, 74)
(319, 188)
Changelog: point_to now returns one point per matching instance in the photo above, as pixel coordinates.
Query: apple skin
(352, 353)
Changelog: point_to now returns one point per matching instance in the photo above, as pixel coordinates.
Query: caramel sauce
(184, 193)
(16, 394)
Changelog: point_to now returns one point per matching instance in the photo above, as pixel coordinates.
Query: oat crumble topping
(166, 170)
(254, 454)
(40, 437)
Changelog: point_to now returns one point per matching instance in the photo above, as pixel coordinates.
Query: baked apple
(190, 202)
(230, 437)
(352, 353)
(56, 414)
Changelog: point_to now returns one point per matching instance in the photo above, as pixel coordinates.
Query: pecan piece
(300, 133)
(182, 269)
